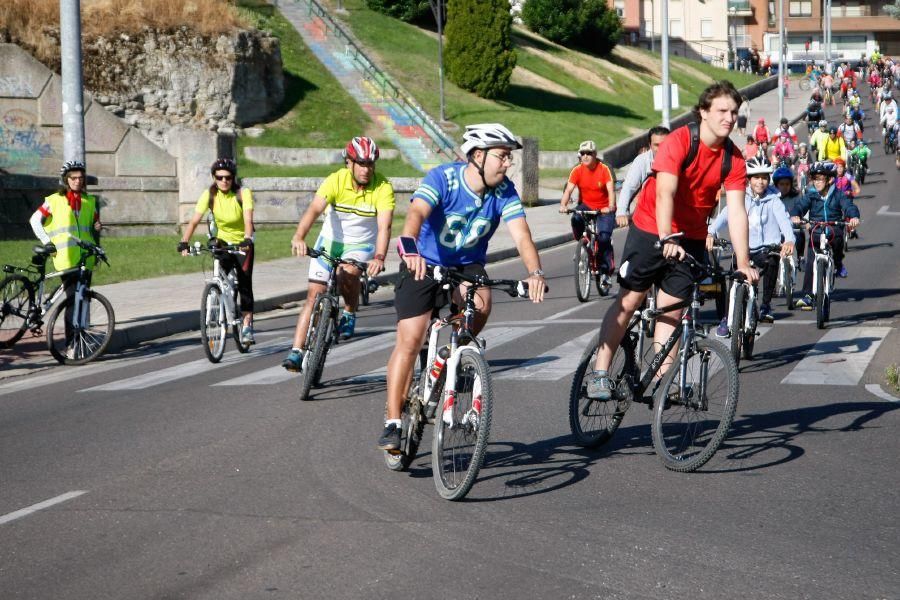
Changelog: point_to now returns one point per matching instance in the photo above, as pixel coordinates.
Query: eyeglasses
(224, 177)
(368, 164)
(503, 158)
(586, 153)
(75, 177)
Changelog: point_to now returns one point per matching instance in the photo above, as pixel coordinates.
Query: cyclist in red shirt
(597, 191)
(678, 199)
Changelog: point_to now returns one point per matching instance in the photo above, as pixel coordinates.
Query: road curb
(132, 334)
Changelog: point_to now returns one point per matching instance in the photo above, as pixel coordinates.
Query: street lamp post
(72, 86)
(664, 49)
(437, 7)
(782, 63)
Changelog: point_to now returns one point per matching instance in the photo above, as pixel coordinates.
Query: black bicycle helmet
(223, 164)
(823, 167)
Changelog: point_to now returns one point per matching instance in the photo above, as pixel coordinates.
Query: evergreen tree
(479, 53)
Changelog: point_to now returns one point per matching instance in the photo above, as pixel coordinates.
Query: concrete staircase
(418, 137)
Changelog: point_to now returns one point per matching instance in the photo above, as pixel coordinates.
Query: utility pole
(666, 89)
(437, 7)
(652, 27)
(72, 86)
(782, 63)
(826, 33)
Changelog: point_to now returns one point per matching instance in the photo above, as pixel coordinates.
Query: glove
(50, 247)
(183, 246)
(247, 243)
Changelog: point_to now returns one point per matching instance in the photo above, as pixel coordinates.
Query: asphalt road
(203, 481)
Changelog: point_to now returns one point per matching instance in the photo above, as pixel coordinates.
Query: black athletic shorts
(643, 265)
(413, 298)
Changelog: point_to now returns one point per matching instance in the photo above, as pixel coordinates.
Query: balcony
(740, 8)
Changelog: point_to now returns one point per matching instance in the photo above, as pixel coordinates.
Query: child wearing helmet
(769, 224)
(824, 202)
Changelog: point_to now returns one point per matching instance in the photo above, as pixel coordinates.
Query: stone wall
(136, 181)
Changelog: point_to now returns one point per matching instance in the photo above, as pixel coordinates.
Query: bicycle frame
(824, 260)
(227, 283)
(748, 306)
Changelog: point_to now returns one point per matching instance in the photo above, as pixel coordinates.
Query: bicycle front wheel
(412, 419)
(461, 431)
(582, 272)
(593, 422)
(691, 418)
(87, 336)
(364, 290)
(213, 328)
(316, 345)
(821, 300)
(788, 285)
(737, 322)
(17, 297)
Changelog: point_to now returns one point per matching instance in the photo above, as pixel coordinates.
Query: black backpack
(694, 129)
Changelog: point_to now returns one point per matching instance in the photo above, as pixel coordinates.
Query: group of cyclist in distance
(675, 187)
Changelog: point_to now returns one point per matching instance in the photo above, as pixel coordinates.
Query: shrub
(587, 24)
(479, 53)
(411, 11)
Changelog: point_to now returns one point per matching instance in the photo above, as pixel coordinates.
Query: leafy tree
(479, 53)
(587, 24)
(411, 11)
(893, 10)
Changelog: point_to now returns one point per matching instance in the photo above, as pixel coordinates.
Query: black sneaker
(390, 439)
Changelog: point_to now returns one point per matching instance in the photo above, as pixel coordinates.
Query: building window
(647, 28)
(850, 42)
(706, 28)
(800, 8)
(675, 29)
(771, 13)
(620, 8)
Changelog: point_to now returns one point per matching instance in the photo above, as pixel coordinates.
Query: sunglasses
(365, 163)
(586, 153)
(224, 177)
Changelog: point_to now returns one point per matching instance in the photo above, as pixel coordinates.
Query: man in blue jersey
(451, 217)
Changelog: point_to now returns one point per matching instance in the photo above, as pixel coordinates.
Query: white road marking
(40, 506)
(885, 210)
(493, 337)
(553, 364)
(189, 369)
(839, 358)
(339, 354)
(568, 311)
(876, 389)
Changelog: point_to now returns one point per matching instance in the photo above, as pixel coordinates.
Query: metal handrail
(439, 140)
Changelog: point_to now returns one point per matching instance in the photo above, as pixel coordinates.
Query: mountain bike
(693, 393)
(322, 332)
(743, 310)
(219, 308)
(25, 304)
(823, 268)
(788, 272)
(587, 259)
(856, 168)
(456, 377)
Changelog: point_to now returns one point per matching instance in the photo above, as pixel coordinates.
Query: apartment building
(857, 26)
(698, 29)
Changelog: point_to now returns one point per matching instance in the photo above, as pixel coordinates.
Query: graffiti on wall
(23, 144)
(15, 87)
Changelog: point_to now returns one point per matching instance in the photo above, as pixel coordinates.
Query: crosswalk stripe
(840, 357)
(494, 337)
(553, 364)
(339, 354)
(189, 369)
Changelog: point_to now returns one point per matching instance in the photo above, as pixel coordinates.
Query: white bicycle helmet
(488, 135)
(758, 166)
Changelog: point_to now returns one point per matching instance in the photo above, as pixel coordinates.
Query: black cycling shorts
(413, 298)
(643, 265)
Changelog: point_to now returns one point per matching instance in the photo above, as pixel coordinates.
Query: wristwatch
(538, 272)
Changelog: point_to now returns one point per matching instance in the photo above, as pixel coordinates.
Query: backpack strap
(727, 153)
(694, 131)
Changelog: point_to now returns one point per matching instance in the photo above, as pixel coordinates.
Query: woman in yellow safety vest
(68, 215)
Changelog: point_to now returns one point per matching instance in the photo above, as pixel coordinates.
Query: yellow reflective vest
(63, 222)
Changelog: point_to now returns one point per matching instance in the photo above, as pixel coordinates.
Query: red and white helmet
(361, 149)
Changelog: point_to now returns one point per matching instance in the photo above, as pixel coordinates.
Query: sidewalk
(153, 308)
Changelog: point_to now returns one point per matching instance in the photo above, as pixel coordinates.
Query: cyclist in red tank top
(675, 199)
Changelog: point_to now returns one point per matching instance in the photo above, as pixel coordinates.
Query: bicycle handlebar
(512, 287)
(713, 270)
(313, 253)
(92, 249)
(197, 249)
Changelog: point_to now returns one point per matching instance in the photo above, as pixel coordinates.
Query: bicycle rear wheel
(582, 272)
(17, 298)
(750, 335)
(213, 328)
(316, 340)
(458, 447)
(593, 422)
(690, 421)
(364, 289)
(788, 285)
(87, 338)
(413, 420)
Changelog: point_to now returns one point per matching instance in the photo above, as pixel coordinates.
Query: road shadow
(854, 247)
(521, 96)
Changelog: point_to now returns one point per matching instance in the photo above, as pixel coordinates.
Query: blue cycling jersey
(460, 224)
